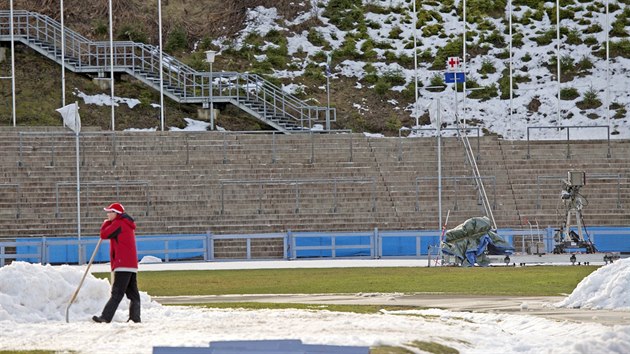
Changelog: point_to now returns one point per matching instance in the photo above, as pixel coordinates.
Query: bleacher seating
(228, 183)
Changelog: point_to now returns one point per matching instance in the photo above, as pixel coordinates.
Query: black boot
(99, 319)
(134, 311)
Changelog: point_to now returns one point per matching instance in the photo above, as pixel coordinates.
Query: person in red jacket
(119, 228)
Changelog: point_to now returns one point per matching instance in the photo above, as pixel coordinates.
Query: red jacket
(122, 241)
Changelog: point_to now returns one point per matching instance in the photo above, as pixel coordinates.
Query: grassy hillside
(371, 46)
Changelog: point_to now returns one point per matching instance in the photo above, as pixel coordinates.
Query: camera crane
(573, 202)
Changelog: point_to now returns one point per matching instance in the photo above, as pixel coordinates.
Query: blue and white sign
(454, 77)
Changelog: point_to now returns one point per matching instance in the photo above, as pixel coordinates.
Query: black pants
(125, 283)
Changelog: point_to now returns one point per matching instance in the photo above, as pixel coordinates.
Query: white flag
(70, 114)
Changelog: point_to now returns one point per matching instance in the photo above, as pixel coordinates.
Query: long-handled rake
(76, 292)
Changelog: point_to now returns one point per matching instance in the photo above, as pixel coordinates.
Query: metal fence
(568, 139)
(373, 244)
(296, 184)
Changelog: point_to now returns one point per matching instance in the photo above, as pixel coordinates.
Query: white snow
(33, 300)
(611, 84)
(106, 100)
(193, 125)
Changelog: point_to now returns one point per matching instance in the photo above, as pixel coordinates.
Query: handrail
(456, 179)
(274, 158)
(17, 196)
(297, 183)
(116, 184)
(20, 163)
(435, 130)
(568, 128)
(182, 83)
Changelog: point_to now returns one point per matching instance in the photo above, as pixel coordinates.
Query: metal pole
(439, 137)
(558, 55)
(511, 70)
(415, 61)
(111, 60)
(328, 60)
(211, 99)
(12, 66)
(161, 71)
(63, 58)
(464, 70)
(607, 66)
(78, 184)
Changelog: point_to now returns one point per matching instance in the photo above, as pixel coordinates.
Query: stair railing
(182, 83)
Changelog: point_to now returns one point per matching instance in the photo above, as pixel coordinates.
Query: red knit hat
(116, 208)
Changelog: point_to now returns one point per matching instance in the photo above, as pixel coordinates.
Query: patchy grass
(522, 281)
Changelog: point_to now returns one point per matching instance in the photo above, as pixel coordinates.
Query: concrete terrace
(227, 183)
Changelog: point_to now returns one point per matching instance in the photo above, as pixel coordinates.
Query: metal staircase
(252, 93)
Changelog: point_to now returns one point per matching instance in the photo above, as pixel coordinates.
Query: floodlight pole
(439, 151)
(415, 61)
(161, 67)
(63, 58)
(328, 62)
(558, 55)
(464, 70)
(210, 59)
(607, 66)
(111, 60)
(12, 64)
(511, 69)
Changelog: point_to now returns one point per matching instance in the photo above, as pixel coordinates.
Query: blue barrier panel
(410, 243)
(407, 243)
(61, 250)
(331, 244)
(610, 239)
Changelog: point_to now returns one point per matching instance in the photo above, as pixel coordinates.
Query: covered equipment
(472, 240)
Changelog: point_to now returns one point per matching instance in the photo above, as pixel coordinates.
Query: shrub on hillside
(590, 100)
(574, 36)
(177, 40)
(546, 38)
(569, 93)
(316, 38)
(395, 32)
(345, 14)
(382, 86)
(487, 67)
(394, 77)
(436, 84)
(393, 123)
(485, 93)
(131, 32)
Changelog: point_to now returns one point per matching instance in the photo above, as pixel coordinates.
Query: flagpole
(71, 119)
(76, 132)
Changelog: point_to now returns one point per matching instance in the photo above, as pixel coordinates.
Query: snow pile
(32, 293)
(33, 299)
(605, 288)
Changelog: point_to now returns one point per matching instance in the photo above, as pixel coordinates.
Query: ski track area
(34, 298)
